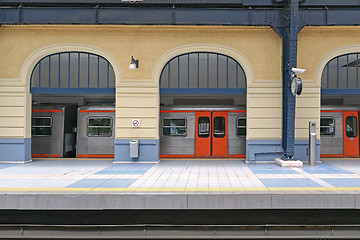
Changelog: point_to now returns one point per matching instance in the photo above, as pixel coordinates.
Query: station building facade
(138, 94)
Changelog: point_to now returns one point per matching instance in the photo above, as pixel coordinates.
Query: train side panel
(53, 130)
(181, 145)
(177, 145)
(95, 132)
(48, 144)
(237, 140)
(332, 145)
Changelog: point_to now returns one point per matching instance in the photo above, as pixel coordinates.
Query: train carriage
(95, 132)
(185, 131)
(53, 130)
(191, 131)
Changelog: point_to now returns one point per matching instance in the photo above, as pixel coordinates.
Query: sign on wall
(135, 123)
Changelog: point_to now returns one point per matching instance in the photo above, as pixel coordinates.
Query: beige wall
(12, 111)
(258, 49)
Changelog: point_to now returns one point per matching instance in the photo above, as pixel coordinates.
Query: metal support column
(289, 61)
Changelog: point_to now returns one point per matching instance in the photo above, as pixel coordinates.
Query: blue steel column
(289, 61)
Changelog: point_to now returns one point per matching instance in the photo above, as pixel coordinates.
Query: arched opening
(202, 106)
(340, 80)
(340, 106)
(73, 111)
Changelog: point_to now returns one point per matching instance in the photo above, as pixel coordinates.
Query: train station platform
(178, 184)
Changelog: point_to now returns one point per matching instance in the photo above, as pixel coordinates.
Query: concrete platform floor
(178, 184)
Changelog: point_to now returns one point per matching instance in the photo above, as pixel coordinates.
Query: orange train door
(203, 134)
(211, 138)
(219, 134)
(351, 134)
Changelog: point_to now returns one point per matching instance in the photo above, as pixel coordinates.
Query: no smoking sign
(135, 123)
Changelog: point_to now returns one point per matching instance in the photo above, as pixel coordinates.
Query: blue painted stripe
(270, 169)
(126, 169)
(203, 91)
(73, 90)
(289, 182)
(324, 169)
(102, 183)
(8, 165)
(343, 182)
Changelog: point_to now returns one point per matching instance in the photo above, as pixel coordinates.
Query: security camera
(298, 70)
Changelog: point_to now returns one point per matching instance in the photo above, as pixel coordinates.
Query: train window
(99, 127)
(241, 127)
(174, 126)
(41, 126)
(204, 127)
(219, 127)
(351, 126)
(327, 126)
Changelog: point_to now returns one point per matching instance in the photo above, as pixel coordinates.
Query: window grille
(202, 73)
(341, 75)
(73, 72)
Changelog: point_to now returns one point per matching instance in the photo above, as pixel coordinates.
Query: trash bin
(134, 148)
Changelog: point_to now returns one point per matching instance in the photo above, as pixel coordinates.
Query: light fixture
(134, 63)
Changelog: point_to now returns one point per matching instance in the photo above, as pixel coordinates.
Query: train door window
(327, 126)
(204, 127)
(99, 127)
(174, 127)
(351, 126)
(219, 127)
(41, 126)
(241, 127)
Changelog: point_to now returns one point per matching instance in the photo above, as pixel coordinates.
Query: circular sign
(135, 123)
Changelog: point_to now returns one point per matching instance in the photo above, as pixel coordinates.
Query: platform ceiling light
(134, 63)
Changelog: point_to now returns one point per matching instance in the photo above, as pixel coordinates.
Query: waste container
(134, 148)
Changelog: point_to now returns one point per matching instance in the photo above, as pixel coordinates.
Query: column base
(148, 151)
(15, 150)
(263, 151)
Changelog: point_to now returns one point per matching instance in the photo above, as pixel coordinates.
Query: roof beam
(250, 16)
(148, 16)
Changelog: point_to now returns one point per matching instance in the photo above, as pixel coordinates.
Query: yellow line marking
(300, 189)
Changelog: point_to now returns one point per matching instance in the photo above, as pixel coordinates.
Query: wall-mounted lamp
(134, 63)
